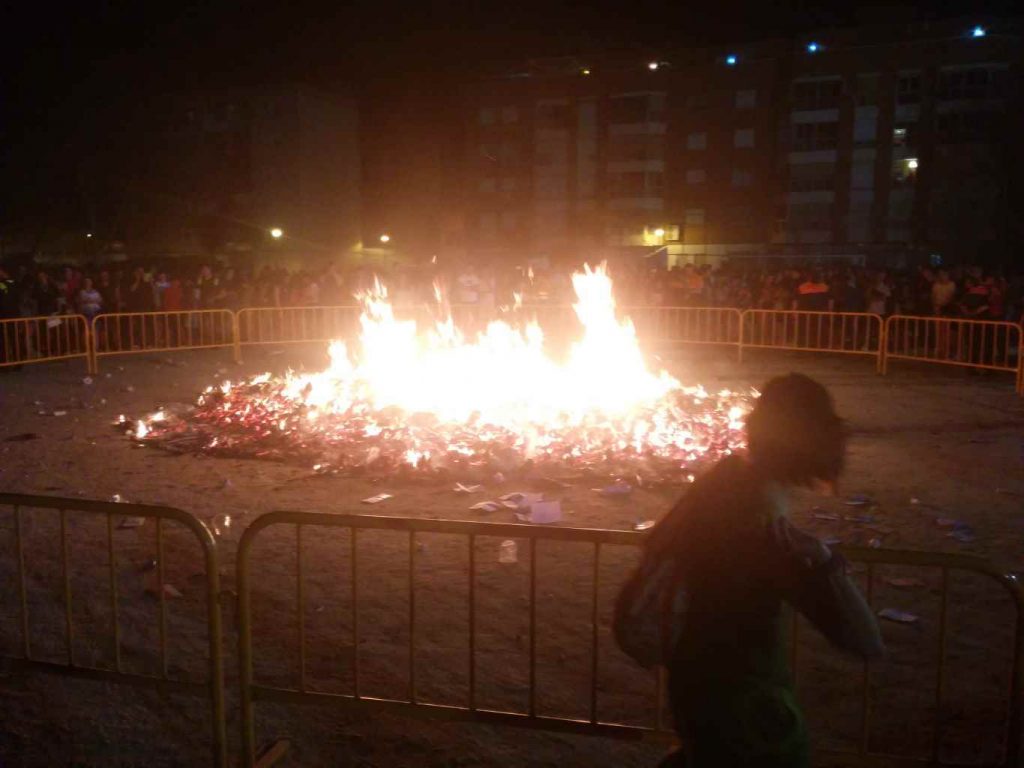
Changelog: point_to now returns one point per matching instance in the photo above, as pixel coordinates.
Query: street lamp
(276, 233)
(385, 238)
(659, 232)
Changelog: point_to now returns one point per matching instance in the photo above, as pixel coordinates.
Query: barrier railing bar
(161, 596)
(865, 733)
(355, 613)
(472, 621)
(114, 614)
(65, 570)
(455, 712)
(412, 617)
(22, 586)
(594, 633)
(939, 677)
(659, 698)
(533, 628)
(300, 613)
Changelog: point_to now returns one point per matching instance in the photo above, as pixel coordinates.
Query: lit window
(899, 136)
(697, 141)
(743, 137)
(696, 176)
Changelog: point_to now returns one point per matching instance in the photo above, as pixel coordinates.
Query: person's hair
(793, 433)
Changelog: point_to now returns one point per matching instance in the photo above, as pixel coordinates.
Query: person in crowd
(45, 294)
(707, 600)
(813, 295)
(943, 291)
(90, 302)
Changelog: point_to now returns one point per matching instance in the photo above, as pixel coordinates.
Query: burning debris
(432, 403)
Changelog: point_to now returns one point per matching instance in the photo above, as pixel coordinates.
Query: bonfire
(433, 401)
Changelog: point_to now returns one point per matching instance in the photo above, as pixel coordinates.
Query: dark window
(817, 94)
(908, 89)
(815, 136)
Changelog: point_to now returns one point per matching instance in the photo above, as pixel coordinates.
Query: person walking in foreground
(706, 601)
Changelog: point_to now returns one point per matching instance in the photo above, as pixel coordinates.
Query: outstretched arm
(822, 591)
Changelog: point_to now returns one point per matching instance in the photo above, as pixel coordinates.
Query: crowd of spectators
(962, 291)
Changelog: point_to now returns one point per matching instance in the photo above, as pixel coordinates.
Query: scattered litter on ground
(643, 525)
(87, 380)
(860, 518)
(618, 488)
(875, 543)
(858, 500)
(901, 617)
(117, 498)
(498, 478)
(60, 413)
(518, 500)
(914, 500)
(818, 514)
(378, 498)
(508, 552)
(486, 506)
(832, 541)
(226, 484)
(541, 512)
(460, 488)
(905, 583)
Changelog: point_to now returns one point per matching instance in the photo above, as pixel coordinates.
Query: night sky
(64, 67)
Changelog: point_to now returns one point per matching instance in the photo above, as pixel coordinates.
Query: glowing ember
(435, 400)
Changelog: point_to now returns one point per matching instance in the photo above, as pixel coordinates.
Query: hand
(802, 545)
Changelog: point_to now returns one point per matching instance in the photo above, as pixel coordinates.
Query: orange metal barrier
(41, 339)
(127, 333)
(290, 325)
(853, 333)
(304, 689)
(987, 344)
(69, 513)
(687, 325)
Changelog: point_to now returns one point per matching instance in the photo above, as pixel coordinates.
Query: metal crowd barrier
(212, 689)
(985, 344)
(853, 333)
(25, 340)
(291, 325)
(252, 691)
(128, 333)
(687, 325)
(944, 563)
(982, 344)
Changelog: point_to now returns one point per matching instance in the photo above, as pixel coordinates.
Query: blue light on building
(978, 32)
(813, 47)
(732, 59)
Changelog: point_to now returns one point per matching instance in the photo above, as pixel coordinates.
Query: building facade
(214, 171)
(894, 141)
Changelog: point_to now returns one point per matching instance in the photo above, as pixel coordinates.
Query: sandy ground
(950, 441)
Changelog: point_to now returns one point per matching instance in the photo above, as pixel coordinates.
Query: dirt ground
(928, 445)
